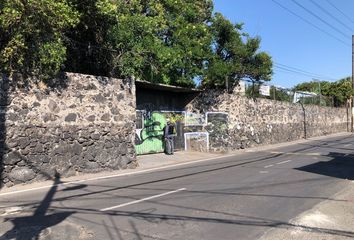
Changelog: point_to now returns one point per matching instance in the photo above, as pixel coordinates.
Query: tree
(191, 40)
(338, 92)
(312, 86)
(159, 41)
(88, 51)
(234, 55)
(341, 91)
(32, 32)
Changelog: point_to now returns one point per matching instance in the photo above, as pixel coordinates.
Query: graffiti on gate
(149, 139)
(198, 132)
(150, 130)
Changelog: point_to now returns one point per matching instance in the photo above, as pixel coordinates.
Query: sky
(298, 44)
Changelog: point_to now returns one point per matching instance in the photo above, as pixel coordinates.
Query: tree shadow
(336, 144)
(341, 166)
(31, 227)
(8, 86)
(4, 102)
(242, 220)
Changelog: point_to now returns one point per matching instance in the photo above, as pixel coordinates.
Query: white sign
(264, 90)
(240, 88)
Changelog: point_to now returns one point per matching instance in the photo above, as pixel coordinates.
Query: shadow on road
(31, 227)
(4, 101)
(341, 166)
(232, 219)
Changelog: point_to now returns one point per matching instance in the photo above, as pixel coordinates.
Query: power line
(319, 18)
(300, 72)
(310, 23)
(340, 11)
(293, 71)
(331, 15)
(303, 71)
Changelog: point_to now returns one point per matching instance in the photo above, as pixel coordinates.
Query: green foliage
(234, 56)
(281, 94)
(162, 41)
(159, 41)
(339, 91)
(252, 90)
(32, 35)
(88, 51)
(312, 86)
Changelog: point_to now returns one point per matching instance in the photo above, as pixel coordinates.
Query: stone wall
(84, 124)
(262, 121)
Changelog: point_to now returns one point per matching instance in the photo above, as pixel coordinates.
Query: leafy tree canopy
(159, 41)
(340, 90)
(163, 41)
(234, 56)
(32, 35)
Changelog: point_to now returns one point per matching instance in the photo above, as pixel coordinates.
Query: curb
(107, 175)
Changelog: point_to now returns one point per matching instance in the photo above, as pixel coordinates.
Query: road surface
(235, 197)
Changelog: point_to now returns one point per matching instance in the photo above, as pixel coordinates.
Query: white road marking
(269, 166)
(142, 200)
(136, 172)
(299, 154)
(263, 172)
(347, 145)
(11, 211)
(283, 162)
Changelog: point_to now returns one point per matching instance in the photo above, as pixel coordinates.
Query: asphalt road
(236, 197)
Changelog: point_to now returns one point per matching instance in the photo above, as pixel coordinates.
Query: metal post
(352, 105)
(227, 84)
(347, 107)
(319, 85)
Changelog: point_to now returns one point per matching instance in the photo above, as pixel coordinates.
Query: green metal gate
(150, 130)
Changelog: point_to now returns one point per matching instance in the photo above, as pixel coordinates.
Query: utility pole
(352, 105)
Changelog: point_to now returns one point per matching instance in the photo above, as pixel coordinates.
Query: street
(234, 197)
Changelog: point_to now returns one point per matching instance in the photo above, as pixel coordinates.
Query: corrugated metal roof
(164, 87)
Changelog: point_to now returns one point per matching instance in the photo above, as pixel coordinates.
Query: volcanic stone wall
(82, 124)
(253, 122)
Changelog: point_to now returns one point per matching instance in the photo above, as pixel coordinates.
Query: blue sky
(294, 43)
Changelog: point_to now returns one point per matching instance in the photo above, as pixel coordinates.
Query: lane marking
(12, 211)
(269, 166)
(142, 200)
(263, 172)
(151, 169)
(283, 162)
(299, 154)
(347, 145)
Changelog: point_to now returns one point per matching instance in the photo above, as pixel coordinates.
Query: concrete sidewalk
(161, 159)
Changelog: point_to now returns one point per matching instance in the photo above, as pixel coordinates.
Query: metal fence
(254, 90)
